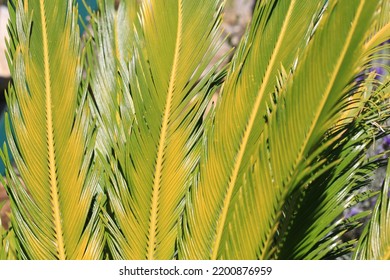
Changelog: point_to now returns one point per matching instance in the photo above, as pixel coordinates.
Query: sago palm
(119, 157)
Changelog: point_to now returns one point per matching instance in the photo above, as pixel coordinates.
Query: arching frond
(279, 31)
(374, 243)
(314, 225)
(52, 138)
(117, 155)
(174, 44)
(273, 147)
(380, 29)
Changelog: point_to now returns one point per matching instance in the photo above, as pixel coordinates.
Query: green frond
(316, 215)
(118, 156)
(279, 32)
(7, 244)
(273, 147)
(320, 108)
(174, 44)
(110, 51)
(374, 244)
(322, 200)
(52, 136)
(380, 29)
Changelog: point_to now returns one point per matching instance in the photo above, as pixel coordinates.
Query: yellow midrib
(245, 139)
(50, 139)
(332, 79)
(162, 141)
(372, 42)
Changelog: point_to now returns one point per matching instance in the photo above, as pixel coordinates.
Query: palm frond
(52, 138)
(118, 156)
(374, 244)
(109, 53)
(280, 29)
(7, 244)
(315, 218)
(380, 29)
(147, 191)
(320, 85)
(338, 67)
(288, 131)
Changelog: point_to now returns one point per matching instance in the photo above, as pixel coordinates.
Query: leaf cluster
(119, 155)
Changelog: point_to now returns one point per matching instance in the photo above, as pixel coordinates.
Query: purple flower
(352, 212)
(386, 142)
(380, 71)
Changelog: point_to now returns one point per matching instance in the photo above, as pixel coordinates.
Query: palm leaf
(307, 103)
(52, 138)
(266, 174)
(334, 100)
(109, 53)
(7, 244)
(314, 225)
(380, 29)
(147, 190)
(323, 95)
(375, 240)
(279, 30)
